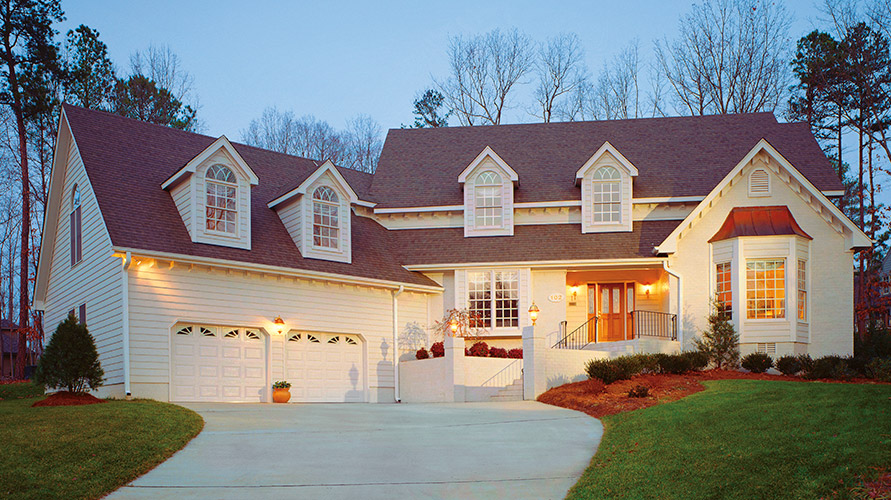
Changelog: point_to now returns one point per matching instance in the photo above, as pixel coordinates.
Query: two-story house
(206, 269)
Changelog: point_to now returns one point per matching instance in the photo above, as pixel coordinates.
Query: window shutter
(759, 183)
(79, 243)
(82, 311)
(73, 232)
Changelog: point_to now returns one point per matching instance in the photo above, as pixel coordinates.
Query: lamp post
(453, 325)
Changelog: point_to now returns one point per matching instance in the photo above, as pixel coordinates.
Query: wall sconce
(533, 312)
(279, 324)
(573, 294)
(647, 288)
(453, 325)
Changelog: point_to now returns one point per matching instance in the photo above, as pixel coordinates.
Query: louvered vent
(767, 348)
(759, 183)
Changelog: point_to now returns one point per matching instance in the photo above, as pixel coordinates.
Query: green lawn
(86, 451)
(745, 439)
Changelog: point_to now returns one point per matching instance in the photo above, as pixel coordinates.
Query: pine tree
(720, 342)
(70, 360)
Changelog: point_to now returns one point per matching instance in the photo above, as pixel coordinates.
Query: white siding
(181, 194)
(830, 263)
(290, 214)
(161, 297)
(95, 280)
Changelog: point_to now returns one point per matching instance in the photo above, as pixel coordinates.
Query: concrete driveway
(470, 450)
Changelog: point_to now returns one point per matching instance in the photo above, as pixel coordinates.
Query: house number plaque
(555, 297)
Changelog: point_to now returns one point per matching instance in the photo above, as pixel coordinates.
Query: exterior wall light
(279, 324)
(573, 294)
(647, 288)
(533, 312)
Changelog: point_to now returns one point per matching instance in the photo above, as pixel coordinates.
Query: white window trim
(500, 206)
(492, 299)
(216, 232)
(807, 291)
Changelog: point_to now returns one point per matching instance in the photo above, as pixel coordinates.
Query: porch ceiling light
(533, 312)
(279, 324)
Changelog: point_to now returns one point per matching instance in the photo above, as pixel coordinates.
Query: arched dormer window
(488, 205)
(325, 218)
(222, 199)
(74, 219)
(607, 195)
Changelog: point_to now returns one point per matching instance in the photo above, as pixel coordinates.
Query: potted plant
(281, 392)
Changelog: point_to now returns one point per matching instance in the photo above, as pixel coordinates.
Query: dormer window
(326, 218)
(488, 204)
(222, 190)
(607, 195)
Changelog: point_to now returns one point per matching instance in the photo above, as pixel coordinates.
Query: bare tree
(561, 71)
(731, 57)
(365, 143)
(275, 130)
(484, 71)
(624, 81)
(161, 65)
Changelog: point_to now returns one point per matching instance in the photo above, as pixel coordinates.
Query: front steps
(512, 392)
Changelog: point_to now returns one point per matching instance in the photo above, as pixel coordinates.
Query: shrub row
(625, 367)
(479, 349)
(827, 367)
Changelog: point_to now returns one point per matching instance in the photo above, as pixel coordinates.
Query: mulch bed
(65, 398)
(598, 400)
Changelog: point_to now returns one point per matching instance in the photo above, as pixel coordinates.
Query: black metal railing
(654, 324)
(580, 337)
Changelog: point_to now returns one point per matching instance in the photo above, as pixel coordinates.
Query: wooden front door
(612, 312)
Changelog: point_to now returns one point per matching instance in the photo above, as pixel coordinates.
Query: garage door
(325, 367)
(218, 364)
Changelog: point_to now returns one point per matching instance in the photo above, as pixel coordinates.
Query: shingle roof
(127, 160)
(530, 243)
(679, 156)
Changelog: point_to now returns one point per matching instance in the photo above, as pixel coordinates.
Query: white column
(454, 354)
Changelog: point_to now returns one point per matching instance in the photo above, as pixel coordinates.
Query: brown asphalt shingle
(678, 156)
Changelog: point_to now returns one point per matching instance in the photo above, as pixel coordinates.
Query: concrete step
(512, 392)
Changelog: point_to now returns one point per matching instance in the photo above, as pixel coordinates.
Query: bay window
(723, 293)
(766, 289)
(802, 290)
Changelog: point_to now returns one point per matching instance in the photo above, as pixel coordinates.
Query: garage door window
(294, 338)
(185, 331)
(207, 332)
(232, 334)
(251, 335)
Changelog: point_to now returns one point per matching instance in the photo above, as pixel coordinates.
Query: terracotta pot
(281, 395)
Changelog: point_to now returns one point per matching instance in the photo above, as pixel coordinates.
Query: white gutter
(640, 261)
(680, 302)
(125, 320)
(396, 294)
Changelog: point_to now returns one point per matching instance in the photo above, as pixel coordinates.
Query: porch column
(454, 354)
(534, 362)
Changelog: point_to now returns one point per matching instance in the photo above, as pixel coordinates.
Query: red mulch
(598, 400)
(65, 398)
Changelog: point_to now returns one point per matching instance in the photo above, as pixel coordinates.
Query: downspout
(396, 294)
(125, 321)
(680, 302)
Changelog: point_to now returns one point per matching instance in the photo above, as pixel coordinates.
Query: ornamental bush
(515, 353)
(422, 353)
(674, 364)
(480, 349)
(757, 362)
(829, 367)
(70, 360)
(497, 352)
(720, 342)
(879, 369)
(639, 391)
(437, 349)
(698, 359)
(789, 364)
(605, 370)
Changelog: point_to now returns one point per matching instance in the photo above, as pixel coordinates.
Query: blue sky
(337, 59)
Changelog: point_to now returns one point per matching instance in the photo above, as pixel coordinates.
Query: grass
(744, 439)
(18, 390)
(86, 451)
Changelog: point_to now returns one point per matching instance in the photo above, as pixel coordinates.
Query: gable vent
(759, 183)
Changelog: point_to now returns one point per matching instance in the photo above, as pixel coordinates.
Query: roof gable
(488, 152)
(623, 162)
(326, 168)
(222, 143)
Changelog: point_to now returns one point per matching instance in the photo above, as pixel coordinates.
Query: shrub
(698, 359)
(466, 351)
(497, 352)
(70, 360)
(437, 349)
(879, 369)
(805, 362)
(674, 364)
(789, 364)
(829, 367)
(422, 353)
(515, 353)
(639, 391)
(604, 370)
(875, 343)
(627, 366)
(757, 362)
(17, 389)
(720, 341)
(281, 384)
(480, 349)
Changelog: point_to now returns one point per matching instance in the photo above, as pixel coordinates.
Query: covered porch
(618, 306)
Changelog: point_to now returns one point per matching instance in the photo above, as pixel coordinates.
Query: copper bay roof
(759, 221)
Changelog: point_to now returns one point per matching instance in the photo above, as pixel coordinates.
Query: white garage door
(218, 364)
(325, 367)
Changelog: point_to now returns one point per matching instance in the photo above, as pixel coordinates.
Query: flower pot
(281, 395)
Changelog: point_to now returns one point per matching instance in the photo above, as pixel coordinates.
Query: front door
(612, 312)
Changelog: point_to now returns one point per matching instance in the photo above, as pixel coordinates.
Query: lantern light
(453, 325)
(279, 324)
(533, 312)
